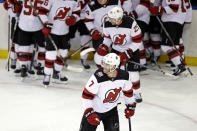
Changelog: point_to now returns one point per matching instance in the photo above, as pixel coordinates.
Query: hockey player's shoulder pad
(108, 24)
(127, 22)
(100, 76)
(122, 75)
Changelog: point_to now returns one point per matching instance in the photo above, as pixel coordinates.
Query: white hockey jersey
(10, 9)
(126, 36)
(56, 12)
(175, 11)
(96, 14)
(188, 17)
(28, 21)
(83, 5)
(141, 10)
(102, 93)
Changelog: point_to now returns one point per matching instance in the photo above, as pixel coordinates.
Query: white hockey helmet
(111, 59)
(116, 13)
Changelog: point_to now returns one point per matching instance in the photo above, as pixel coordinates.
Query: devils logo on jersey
(112, 96)
(119, 39)
(61, 13)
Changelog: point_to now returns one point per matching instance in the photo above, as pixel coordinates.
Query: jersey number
(28, 9)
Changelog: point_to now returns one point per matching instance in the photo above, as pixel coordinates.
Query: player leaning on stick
(101, 96)
(125, 36)
(57, 16)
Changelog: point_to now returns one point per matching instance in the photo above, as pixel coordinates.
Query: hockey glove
(70, 20)
(125, 56)
(96, 35)
(130, 110)
(102, 50)
(18, 7)
(157, 10)
(134, 14)
(92, 117)
(5, 5)
(47, 29)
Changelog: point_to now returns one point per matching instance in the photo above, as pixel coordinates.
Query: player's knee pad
(51, 55)
(41, 49)
(155, 37)
(31, 48)
(63, 52)
(166, 49)
(23, 48)
(134, 76)
(141, 46)
(146, 37)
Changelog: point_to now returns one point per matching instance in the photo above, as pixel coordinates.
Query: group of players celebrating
(123, 32)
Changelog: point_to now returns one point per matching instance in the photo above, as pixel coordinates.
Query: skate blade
(39, 77)
(46, 86)
(74, 69)
(57, 81)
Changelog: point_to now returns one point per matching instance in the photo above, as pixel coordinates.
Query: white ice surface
(169, 105)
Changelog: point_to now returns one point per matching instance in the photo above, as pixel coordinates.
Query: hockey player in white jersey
(125, 36)
(141, 12)
(173, 14)
(153, 47)
(57, 16)
(14, 31)
(96, 14)
(29, 34)
(101, 95)
(83, 32)
(188, 20)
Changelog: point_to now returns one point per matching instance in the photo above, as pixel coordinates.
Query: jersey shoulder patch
(102, 77)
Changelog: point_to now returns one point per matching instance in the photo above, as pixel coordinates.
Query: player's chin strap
(153, 69)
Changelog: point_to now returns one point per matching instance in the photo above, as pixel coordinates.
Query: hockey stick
(8, 61)
(53, 42)
(84, 52)
(172, 42)
(77, 50)
(129, 120)
(153, 69)
(9, 44)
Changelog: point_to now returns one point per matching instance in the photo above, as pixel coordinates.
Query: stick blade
(84, 52)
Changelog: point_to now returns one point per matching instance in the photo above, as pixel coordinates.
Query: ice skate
(180, 68)
(138, 97)
(46, 80)
(13, 63)
(85, 64)
(59, 78)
